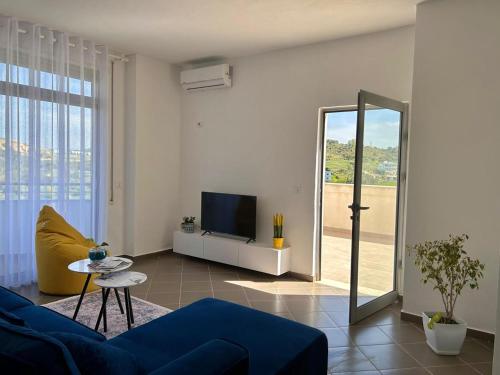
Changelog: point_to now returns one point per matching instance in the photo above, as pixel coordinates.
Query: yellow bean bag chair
(57, 245)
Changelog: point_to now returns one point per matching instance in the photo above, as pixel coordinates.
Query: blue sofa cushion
(25, 349)
(215, 357)
(275, 345)
(97, 358)
(12, 318)
(45, 320)
(10, 300)
(12, 365)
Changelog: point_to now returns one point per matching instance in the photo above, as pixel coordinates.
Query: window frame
(57, 97)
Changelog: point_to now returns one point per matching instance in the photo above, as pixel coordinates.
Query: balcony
(376, 258)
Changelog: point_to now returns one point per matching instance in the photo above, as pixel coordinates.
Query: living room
(122, 140)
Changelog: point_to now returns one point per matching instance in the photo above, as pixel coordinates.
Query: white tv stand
(254, 256)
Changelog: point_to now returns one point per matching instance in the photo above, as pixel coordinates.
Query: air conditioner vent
(209, 77)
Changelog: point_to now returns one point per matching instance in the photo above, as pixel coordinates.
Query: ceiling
(186, 30)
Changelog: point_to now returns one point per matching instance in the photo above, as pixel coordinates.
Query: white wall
(496, 356)
(259, 137)
(454, 145)
(151, 155)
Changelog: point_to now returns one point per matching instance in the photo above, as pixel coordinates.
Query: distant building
(328, 175)
(389, 169)
(388, 166)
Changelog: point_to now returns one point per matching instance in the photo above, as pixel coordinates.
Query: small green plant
(278, 225)
(446, 265)
(188, 220)
(102, 243)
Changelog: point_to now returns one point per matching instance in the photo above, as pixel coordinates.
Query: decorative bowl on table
(97, 253)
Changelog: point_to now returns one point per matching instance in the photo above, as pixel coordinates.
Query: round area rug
(144, 311)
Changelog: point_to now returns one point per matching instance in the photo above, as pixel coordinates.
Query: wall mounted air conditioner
(209, 77)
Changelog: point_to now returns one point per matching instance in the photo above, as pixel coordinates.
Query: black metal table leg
(127, 306)
(81, 296)
(119, 301)
(104, 314)
(130, 306)
(103, 308)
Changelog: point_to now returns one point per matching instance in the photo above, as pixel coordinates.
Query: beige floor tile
(164, 287)
(452, 370)
(376, 262)
(367, 335)
(164, 299)
(483, 368)
(424, 355)
(257, 295)
(225, 285)
(317, 319)
(408, 371)
(196, 286)
(231, 295)
(188, 297)
(270, 306)
(473, 352)
(167, 276)
(387, 357)
(224, 276)
(196, 276)
(348, 359)
(337, 338)
(341, 318)
(403, 333)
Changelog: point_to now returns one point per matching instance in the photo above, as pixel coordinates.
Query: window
(53, 94)
(54, 151)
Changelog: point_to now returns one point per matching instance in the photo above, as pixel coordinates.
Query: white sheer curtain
(53, 117)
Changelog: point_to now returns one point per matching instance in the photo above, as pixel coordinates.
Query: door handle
(355, 207)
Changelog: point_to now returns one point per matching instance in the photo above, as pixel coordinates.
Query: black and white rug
(144, 311)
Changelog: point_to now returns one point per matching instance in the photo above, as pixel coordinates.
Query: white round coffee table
(115, 280)
(82, 266)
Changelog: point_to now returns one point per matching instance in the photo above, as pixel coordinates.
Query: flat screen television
(229, 213)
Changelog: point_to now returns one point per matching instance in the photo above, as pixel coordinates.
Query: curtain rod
(112, 56)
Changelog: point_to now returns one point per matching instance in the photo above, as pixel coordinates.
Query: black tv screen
(229, 213)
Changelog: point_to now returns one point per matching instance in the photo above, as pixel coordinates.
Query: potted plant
(187, 224)
(446, 266)
(278, 238)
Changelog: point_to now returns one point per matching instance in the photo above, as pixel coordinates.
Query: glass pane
(337, 196)
(379, 193)
(3, 145)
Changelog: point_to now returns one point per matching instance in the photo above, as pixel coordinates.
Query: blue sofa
(207, 337)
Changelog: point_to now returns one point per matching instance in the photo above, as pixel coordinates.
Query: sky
(381, 127)
(49, 124)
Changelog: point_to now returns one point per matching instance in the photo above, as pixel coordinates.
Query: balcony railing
(377, 229)
(378, 221)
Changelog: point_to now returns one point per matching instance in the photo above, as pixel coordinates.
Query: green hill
(379, 164)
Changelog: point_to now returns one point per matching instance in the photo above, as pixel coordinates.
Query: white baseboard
(148, 252)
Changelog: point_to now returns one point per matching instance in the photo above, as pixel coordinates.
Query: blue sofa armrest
(215, 357)
(10, 300)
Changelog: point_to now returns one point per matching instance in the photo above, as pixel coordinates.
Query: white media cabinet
(253, 256)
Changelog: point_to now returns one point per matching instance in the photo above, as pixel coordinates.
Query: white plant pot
(445, 339)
